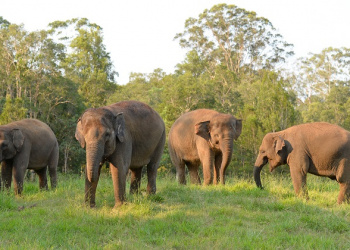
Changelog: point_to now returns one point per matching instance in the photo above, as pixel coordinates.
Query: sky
(139, 34)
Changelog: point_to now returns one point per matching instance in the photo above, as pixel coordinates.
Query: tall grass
(234, 216)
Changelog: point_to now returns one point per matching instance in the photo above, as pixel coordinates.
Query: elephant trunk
(226, 150)
(94, 153)
(257, 178)
(259, 163)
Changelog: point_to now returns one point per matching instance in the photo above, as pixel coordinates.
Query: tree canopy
(235, 63)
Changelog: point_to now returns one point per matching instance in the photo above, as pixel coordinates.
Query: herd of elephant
(130, 135)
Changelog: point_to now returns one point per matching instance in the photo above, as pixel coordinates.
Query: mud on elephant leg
(135, 181)
(42, 178)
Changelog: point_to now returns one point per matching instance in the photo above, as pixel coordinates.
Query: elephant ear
(79, 134)
(202, 129)
(238, 128)
(278, 143)
(17, 139)
(119, 127)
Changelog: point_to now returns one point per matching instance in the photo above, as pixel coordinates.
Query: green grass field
(235, 216)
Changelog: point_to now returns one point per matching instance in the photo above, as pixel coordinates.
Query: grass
(234, 216)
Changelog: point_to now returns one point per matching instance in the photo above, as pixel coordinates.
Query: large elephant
(318, 148)
(203, 136)
(28, 144)
(129, 135)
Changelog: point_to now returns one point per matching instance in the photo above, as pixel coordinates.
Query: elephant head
(220, 131)
(272, 150)
(11, 142)
(98, 130)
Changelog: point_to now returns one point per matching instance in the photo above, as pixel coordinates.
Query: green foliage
(13, 110)
(232, 65)
(325, 76)
(235, 38)
(89, 63)
(45, 78)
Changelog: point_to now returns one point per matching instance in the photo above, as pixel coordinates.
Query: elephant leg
(19, 167)
(52, 166)
(90, 189)
(152, 178)
(119, 183)
(135, 182)
(342, 177)
(217, 176)
(42, 178)
(299, 182)
(179, 166)
(18, 177)
(193, 170)
(181, 172)
(344, 193)
(152, 166)
(6, 174)
(207, 159)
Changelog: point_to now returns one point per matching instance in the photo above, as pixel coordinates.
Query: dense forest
(236, 63)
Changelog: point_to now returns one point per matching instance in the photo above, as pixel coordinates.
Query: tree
(323, 85)
(318, 73)
(231, 44)
(235, 38)
(268, 107)
(13, 110)
(87, 63)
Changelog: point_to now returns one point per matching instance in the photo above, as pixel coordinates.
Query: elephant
(28, 144)
(318, 148)
(203, 137)
(128, 135)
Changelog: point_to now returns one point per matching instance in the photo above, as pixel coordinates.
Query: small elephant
(28, 144)
(203, 136)
(129, 135)
(318, 148)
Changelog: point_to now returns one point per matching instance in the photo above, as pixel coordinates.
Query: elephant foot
(89, 204)
(118, 204)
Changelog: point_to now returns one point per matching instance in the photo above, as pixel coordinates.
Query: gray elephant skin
(203, 137)
(319, 148)
(129, 135)
(28, 144)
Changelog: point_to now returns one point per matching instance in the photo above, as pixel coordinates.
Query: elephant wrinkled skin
(318, 148)
(27, 144)
(127, 134)
(204, 137)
